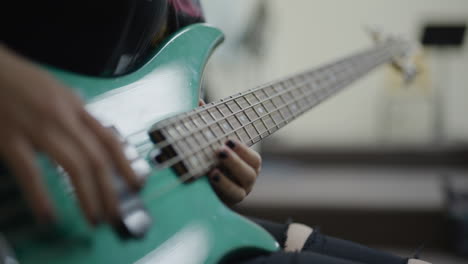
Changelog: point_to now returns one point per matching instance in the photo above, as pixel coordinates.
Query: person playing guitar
(39, 113)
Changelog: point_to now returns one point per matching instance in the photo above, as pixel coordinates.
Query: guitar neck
(189, 141)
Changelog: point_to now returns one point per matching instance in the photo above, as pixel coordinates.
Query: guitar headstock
(405, 63)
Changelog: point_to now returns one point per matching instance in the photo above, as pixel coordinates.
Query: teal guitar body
(189, 223)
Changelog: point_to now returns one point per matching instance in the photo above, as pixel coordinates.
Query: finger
(114, 149)
(21, 161)
(247, 154)
(201, 102)
(227, 190)
(241, 172)
(96, 157)
(122, 167)
(100, 160)
(84, 131)
(74, 160)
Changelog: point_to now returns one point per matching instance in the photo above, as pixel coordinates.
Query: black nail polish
(215, 177)
(222, 155)
(230, 144)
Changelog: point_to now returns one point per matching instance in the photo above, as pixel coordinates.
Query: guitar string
(175, 139)
(185, 155)
(173, 120)
(209, 106)
(187, 176)
(174, 160)
(335, 85)
(209, 142)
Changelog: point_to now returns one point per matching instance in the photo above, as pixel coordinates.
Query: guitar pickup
(166, 153)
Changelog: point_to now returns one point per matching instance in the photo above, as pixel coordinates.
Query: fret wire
(237, 118)
(201, 118)
(241, 126)
(247, 133)
(271, 129)
(210, 129)
(256, 96)
(266, 92)
(211, 114)
(277, 107)
(278, 95)
(225, 130)
(251, 121)
(245, 97)
(196, 140)
(217, 112)
(230, 109)
(221, 113)
(200, 143)
(229, 123)
(263, 121)
(238, 135)
(248, 97)
(223, 108)
(185, 124)
(237, 103)
(274, 121)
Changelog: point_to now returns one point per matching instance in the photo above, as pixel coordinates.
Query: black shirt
(100, 37)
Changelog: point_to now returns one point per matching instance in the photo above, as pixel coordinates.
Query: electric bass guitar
(176, 218)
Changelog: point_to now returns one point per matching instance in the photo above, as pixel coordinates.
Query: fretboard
(189, 141)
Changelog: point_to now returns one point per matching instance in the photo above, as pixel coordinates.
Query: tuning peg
(406, 66)
(376, 33)
(403, 63)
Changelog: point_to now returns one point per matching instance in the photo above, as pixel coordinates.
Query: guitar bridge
(135, 219)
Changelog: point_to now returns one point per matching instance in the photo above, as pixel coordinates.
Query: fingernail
(230, 144)
(222, 155)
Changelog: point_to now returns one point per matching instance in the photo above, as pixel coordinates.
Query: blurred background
(382, 162)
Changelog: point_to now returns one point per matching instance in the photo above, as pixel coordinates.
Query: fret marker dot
(194, 160)
(260, 110)
(225, 126)
(208, 134)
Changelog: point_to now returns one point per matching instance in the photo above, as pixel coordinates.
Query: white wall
(304, 33)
